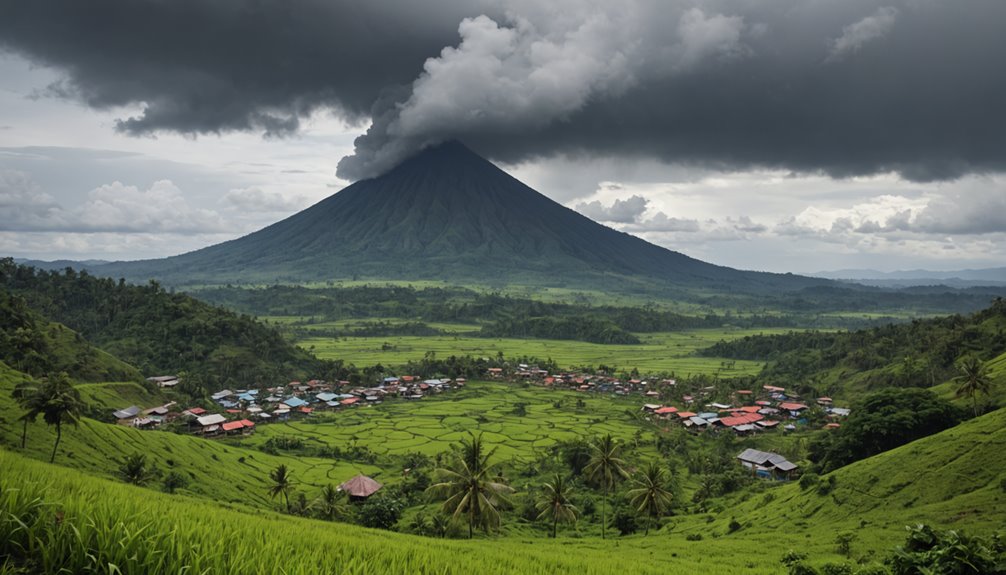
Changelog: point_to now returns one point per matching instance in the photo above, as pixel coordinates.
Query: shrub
(930, 551)
(836, 569)
(733, 526)
(693, 537)
(808, 480)
(174, 481)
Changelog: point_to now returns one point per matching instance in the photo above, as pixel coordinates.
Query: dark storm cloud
(846, 87)
(225, 65)
(843, 87)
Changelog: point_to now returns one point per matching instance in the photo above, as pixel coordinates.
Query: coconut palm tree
(282, 483)
(26, 395)
(974, 379)
(329, 505)
(469, 489)
(650, 495)
(554, 503)
(606, 469)
(59, 402)
(134, 469)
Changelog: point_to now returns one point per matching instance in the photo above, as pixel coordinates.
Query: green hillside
(922, 353)
(945, 480)
(38, 346)
(156, 331)
(216, 470)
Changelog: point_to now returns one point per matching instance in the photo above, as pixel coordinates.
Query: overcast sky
(781, 135)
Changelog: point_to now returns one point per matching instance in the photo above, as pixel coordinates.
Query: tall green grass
(55, 521)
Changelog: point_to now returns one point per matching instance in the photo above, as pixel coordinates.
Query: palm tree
(328, 504)
(282, 483)
(469, 489)
(605, 469)
(974, 379)
(26, 395)
(554, 503)
(59, 402)
(651, 495)
(134, 469)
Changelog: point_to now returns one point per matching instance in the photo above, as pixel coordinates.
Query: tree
(59, 402)
(555, 503)
(651, 495)
(881, 421)
(329, 506)
(174, 481)
(380, 512)
(974, 380)
(26, 395)
(469, 489)
(605, 468)
(282, 483)
(134, 469)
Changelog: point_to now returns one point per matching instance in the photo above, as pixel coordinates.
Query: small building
(766, 464)
(210, 424)
(164, 380)
(128, 413)
(360, 488)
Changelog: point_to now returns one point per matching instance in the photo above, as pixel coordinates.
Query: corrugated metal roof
(130, 411)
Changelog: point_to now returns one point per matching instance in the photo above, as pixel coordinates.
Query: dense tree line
(590, 329)
(31, 344)
(882, 421)
(154, 330)
(920, 352)
(499, 315)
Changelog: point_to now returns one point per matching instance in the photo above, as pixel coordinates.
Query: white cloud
(621, 211)
(23, 205)
(113, 207)
(661, 222)
(255, 199)
(160, 208)
(857, 35)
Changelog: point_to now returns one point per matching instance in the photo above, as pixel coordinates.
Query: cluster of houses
(579, 381)
(241, 409)
(752, 413)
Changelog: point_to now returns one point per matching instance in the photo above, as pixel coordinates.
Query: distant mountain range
(447, 214)
(906, 278)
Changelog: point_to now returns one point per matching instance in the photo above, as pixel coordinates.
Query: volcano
(447, 214)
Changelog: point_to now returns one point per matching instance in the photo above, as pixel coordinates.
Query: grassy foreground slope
(76, 523)
(954, 479)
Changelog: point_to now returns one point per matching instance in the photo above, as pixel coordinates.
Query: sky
(779, 135)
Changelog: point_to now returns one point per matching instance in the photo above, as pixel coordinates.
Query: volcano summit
(447, 214)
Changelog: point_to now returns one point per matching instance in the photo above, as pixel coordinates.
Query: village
(238, 411)
(747, 413)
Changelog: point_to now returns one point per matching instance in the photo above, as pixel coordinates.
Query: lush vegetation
(36, 346)
(882, 421)
(152, 329)
(922, 353)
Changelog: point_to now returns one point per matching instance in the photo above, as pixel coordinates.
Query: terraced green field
(658, 352)
(222, 472)
(430, 426)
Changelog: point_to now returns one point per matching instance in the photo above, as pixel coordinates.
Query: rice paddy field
(664, 352)
(432, 425)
